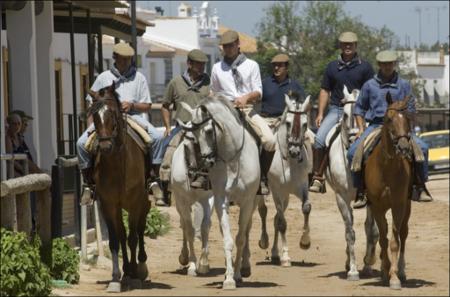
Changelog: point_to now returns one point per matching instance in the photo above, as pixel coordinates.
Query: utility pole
(438, 12)
(419, 11)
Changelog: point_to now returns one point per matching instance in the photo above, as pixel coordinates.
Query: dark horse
(389, 179)
(119, 175)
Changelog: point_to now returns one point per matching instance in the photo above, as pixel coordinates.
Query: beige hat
(22, 114)
(280, 58)
(348, 37)
(123, 49)
(387, 56)
(229, 37)
(198, 56)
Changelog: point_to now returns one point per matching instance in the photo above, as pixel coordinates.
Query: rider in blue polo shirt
(275, 87)
(349, 70)
(371, 107)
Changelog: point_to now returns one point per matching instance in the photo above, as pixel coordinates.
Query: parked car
(438, 156)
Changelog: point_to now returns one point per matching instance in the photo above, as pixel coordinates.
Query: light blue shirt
(372, 103)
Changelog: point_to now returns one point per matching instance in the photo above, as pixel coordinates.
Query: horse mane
(220, 99)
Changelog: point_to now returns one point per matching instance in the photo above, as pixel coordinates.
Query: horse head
(397, 125)
(107, 116)
(295, 121)
(209, 121)
(348, 124)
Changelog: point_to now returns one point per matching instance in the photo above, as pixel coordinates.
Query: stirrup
(317, 186)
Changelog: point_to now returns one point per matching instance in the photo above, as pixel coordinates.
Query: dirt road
(317, 271)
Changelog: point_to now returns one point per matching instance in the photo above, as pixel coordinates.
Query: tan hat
(280, 58)
(198, 56)
(229, 37)
(348, 37)
(387, 56)
(22, 114)
(123, 49)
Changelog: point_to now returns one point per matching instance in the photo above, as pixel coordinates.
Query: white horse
(231, 156)
(339, 177)
(187, 199)
(288, 174)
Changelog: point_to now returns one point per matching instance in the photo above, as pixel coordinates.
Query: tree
(310, 37)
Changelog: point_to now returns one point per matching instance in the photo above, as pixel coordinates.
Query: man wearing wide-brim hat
(134, 96)
(190, 87)
(371, 107)
(238, 79)
(348, 70)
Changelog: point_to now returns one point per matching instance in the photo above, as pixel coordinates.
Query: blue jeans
(420, 167)
(85, 158)
(165, 142)
(332, 118)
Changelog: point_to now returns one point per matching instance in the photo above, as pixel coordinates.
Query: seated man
(135, 98)
(275, 87)
(238, 79)
(371, 106)
(190, 87)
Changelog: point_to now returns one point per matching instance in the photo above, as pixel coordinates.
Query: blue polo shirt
(338, 73)
(273, 95)
(371, 103)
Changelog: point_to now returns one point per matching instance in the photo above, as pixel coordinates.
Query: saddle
(134, 130)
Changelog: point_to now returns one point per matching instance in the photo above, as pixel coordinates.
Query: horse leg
(246, 267)
(245, 216)
(305, 240)
(380, 218)
(203, 266)
(183, 258)
(221, 205)
(142, 270)
(127, 272)
(347, 216)
(372, 236)
(114, 285)
(188, 238)
(262, 210)
(275, 256)
(403, 235)
(285, 261)
(397, 222)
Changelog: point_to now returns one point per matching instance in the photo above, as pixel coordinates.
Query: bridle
(396, 139)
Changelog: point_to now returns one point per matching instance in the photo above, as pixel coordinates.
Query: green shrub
(65, 262)
(156, 223)
(22, 272)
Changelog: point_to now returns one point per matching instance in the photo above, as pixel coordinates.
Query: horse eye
(102, 92)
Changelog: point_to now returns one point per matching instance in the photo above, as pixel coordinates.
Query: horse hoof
(142, 270)
(203, 269)
(367, 271)
(191, 271)
(395, 285)
(402, 277)
(305, 244)
(275, 260)
(229, 285)
(113, 287)
(246, 271)
(135, 283)
(264, 241)
(286, 263)
(353, 276)
(183, 260)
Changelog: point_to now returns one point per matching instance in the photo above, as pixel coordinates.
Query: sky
(402, 17)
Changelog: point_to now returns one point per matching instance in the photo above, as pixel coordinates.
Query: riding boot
(319, 164)
(199, 181)
(420, 192)
(87, 193)
(361, 199)
(265, 160)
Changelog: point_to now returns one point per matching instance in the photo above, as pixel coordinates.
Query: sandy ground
(317, 271)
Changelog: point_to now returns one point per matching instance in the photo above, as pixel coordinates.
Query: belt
(266, 115)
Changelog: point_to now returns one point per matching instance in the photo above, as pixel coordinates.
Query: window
(168, 70)
(5, 65)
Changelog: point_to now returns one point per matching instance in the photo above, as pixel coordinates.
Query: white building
(433, 71)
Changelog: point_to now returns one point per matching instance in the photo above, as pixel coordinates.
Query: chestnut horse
(389, 179)
(119, 175)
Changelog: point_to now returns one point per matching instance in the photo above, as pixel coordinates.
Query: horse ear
(306, 106)
(112, 87)
(389, 98)
(288, 102)
(93, 94)
(187, 107)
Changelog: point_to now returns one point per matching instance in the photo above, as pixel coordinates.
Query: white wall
(181, 33)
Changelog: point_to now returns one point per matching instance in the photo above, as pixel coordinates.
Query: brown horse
(389, 179)
(119, 175)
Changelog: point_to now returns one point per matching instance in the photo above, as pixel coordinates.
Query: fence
(16, 207)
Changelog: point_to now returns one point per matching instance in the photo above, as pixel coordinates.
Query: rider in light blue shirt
(371, 107)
